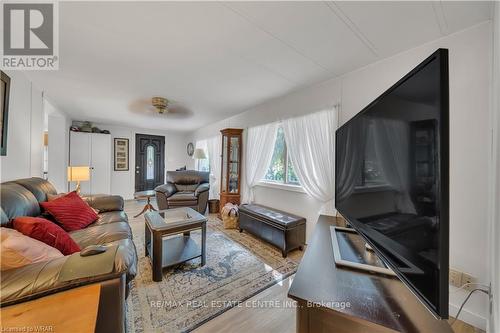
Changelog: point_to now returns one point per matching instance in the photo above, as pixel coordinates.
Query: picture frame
(121, 154)
(4, 116)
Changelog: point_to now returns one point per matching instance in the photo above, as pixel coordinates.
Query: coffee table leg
(203, 244)
(150, 206)
(157, 257)
(142, 212)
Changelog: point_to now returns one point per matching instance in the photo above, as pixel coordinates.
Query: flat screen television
(391, 173)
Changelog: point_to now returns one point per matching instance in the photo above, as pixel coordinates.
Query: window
(281, 168)
(202, 165)
(371, 171)
(150, 162)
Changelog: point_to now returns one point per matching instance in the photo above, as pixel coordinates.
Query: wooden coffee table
(164, 252)
(145, 195)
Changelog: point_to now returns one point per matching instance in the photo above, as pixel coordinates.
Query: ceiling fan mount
(161, 104)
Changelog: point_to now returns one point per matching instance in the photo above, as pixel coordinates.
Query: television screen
(392, 179)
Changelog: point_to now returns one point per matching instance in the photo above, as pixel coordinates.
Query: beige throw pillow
(19, 250)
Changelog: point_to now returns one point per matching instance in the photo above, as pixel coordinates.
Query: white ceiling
(216, 59)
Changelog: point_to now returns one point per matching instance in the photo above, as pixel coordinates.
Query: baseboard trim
(469, 317)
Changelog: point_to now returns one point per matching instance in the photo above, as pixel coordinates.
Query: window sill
(282, 186)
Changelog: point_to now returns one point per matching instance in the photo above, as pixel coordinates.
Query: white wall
(25, 130)
(58, 149)
(123, 182)
(470, 68)
(495, 190)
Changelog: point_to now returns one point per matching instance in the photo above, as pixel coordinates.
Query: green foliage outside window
(281, 168)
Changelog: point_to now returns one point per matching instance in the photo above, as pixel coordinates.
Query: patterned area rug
(238, 267)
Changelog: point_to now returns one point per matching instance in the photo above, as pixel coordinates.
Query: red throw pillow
(52, 197)
(47, 232)
(70, 211)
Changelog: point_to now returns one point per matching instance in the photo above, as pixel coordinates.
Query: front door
(149, 161)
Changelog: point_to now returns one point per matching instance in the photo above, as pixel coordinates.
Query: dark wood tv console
(342, 300)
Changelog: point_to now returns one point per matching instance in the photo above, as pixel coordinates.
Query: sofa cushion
(105, 203)
(126, 257)
(70, 211)
(38, 186)
(188, 177)
(17, 201)
(111, 217)
(18, 250)
(101, 234)
(47, 232)
(186, 188)
(183, 196)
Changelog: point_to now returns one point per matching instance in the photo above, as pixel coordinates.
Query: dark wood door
(149, 161)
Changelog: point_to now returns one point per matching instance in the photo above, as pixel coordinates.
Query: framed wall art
(121, 154)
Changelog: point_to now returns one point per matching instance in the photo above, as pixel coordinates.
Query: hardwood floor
(274, 311)
(258, 319)
(275, 319)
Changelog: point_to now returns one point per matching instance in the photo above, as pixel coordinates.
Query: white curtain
(310, 141)
(259, 151)
(201, 165)
(214, 147)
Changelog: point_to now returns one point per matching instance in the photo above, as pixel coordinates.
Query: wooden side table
(74, 310)
(145, 195)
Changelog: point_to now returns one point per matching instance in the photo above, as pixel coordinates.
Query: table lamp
(78, 174)
(199, 154)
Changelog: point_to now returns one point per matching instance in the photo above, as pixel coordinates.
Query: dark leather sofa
(113, 270)
(187, 188)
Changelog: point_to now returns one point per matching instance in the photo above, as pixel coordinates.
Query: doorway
(149, 161)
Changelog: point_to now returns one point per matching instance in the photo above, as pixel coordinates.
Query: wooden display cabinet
(230, 184)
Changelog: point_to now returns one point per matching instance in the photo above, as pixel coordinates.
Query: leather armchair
(188, 188)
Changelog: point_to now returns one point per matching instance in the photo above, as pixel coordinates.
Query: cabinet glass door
(224, 164)
(234, 164)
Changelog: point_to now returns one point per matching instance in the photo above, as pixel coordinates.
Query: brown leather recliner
(112, 270)
(188, 188)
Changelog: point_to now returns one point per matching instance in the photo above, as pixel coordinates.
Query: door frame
(137, 148)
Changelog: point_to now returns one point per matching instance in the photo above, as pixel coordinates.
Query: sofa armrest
(202, 188)
(105, 203)
(167, 189)
(44, 278)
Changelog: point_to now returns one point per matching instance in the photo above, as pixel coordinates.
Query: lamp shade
(199, 154)
(78, 173)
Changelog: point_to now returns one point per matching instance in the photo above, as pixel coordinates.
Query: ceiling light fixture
(160, 103)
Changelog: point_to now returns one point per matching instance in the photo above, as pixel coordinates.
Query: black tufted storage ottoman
(284, 230)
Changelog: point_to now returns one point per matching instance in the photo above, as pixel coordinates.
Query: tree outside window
(281, 168)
